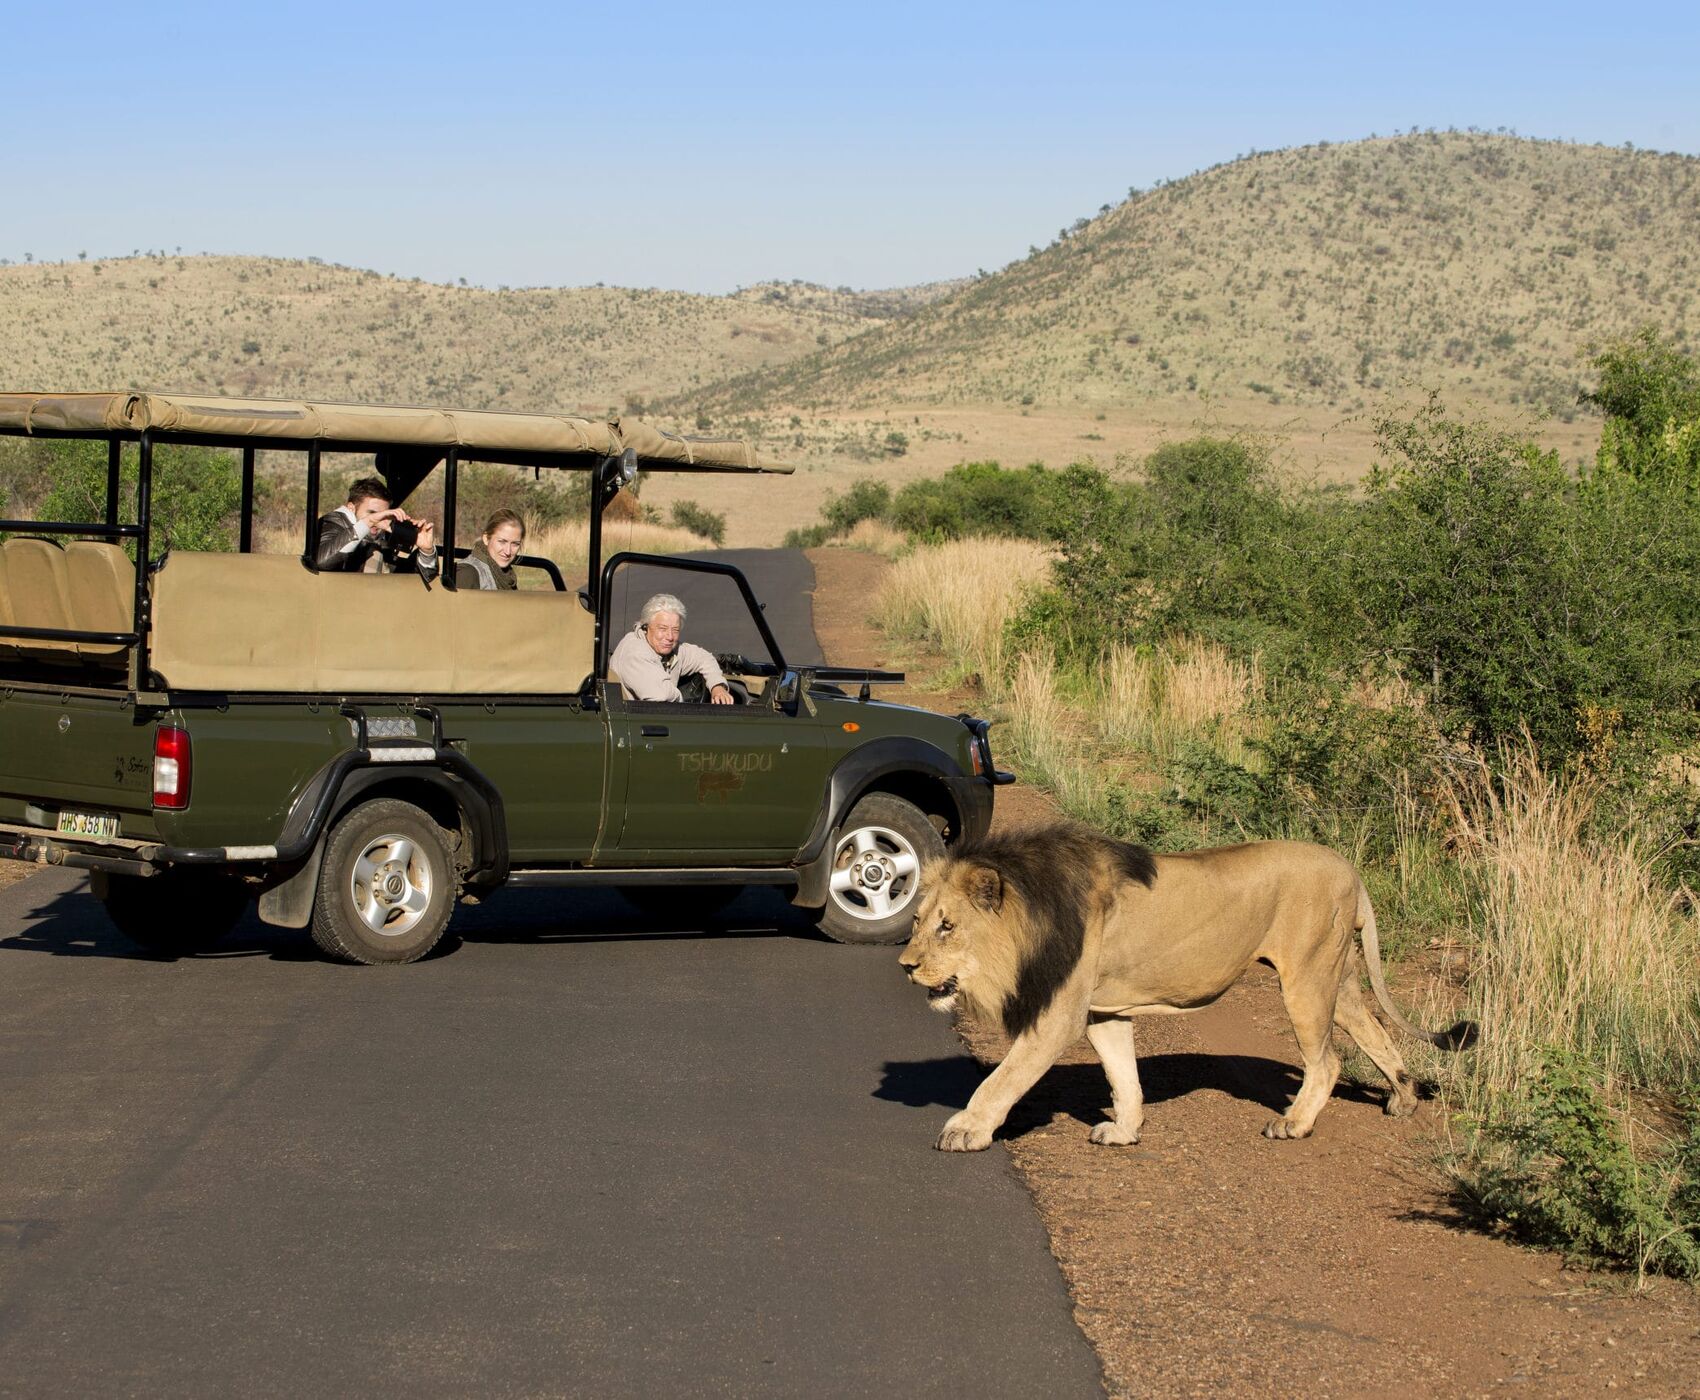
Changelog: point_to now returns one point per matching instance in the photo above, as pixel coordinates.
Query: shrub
(976, 498)
(688, 515)
(1649, 391)
(1555, 1166)
(1519, 600)
(197, 492)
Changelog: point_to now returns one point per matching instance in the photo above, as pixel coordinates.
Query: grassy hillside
(282, 327)
(1318, 277)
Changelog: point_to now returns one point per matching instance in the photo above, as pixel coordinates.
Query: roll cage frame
(403, 469)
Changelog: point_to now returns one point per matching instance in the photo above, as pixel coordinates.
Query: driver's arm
(699, 661)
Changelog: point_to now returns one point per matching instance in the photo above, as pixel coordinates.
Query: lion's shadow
(1082, 1092)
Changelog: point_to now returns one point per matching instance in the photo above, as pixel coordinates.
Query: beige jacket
(646, 676)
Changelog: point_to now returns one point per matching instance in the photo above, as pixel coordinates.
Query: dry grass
(957, 597)
(876, 537)
(568, 544)
(1048, 737)
(1577, 942)
(1156, 700)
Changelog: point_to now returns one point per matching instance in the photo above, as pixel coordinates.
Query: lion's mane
(1048, 880)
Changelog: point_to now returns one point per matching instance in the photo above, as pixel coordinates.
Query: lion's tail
(1461, 1037)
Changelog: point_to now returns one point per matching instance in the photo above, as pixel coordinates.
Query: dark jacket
(341, 551)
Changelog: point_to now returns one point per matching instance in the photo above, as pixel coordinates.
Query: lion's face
(955, 903)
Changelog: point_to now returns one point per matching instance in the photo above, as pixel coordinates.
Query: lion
(1051, 931)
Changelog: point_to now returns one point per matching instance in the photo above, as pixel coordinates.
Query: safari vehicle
(358, 752)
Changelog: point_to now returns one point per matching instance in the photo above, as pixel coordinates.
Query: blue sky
(710, 146)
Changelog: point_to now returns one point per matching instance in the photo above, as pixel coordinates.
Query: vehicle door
(705, 784)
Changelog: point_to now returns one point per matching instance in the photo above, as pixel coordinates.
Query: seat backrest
(102, 584)
(37, 578)
(255, 622)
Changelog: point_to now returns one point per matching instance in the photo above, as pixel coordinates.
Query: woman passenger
(490, 565)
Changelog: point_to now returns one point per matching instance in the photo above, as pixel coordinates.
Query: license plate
(87, 824)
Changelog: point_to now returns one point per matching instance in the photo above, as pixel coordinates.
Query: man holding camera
(367, 525)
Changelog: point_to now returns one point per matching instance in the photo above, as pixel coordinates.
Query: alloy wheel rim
(391, 885)
(875, 873)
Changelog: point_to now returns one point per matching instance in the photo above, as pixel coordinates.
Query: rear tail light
(171, 767)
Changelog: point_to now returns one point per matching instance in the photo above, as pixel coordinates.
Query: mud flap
(290, 904)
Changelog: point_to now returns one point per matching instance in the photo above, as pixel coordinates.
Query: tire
(879, 851)
(178, 912)
(683, 903)
(387, 887)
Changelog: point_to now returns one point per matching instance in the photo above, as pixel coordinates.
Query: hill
(285, 327)
(1321, 276)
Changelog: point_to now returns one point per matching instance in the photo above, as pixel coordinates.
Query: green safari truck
(358, 752)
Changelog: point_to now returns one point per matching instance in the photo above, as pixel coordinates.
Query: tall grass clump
(1578, 941)
(1578, 1125)
(956, 597)
(1185, 690)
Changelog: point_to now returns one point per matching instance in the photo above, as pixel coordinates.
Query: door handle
(655, 731)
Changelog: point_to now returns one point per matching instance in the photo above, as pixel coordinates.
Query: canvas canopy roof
(480, 435)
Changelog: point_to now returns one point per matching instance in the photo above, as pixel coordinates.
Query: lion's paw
(1284, 1129)
(1400, 1105)
(1110, 1133)
(962, 1134)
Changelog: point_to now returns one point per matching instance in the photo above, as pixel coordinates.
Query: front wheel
(878, 854)
(387, 886)
(178, 912)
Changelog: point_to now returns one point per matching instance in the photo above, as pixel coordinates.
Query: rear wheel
(176, 913)
(879, 851)
(387, 887)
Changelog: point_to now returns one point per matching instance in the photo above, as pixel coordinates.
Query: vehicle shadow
(1082, 1093)
(70, 923)
(606, 916)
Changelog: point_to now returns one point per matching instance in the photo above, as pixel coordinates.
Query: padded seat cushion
(38, 584)
(103, 592)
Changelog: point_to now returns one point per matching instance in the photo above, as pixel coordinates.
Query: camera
(401, 538)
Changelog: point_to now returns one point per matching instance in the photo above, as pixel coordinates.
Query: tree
(1650, 393)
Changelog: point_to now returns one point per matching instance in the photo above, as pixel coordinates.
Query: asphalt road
(578, 1152)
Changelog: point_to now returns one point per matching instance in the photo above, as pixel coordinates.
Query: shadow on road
(1082, 1092)
(71, 923)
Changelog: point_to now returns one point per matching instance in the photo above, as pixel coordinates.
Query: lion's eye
(945, 927)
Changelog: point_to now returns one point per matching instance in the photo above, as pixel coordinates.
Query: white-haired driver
(652, 660)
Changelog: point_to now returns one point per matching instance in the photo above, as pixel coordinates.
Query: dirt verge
(1207, 1257)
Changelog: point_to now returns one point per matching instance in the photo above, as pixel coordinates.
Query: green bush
(806, 537)
(1650, 393)
(977, 498)
(1553, 1166)
(197, 492)
(688, 515)
(866, 499)
(1517, 597)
